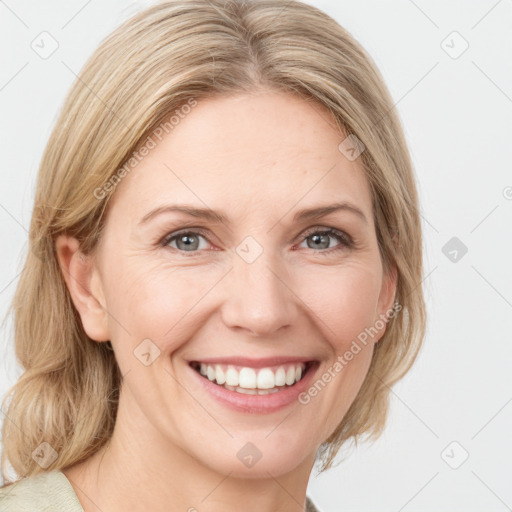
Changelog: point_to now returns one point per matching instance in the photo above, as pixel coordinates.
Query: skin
(259, 158)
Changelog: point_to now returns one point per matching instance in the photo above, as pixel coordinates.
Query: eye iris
(186, 238)
(318, 240)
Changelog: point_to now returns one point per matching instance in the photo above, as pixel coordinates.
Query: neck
(138, 470)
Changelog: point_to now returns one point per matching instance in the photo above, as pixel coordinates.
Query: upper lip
(254, 363)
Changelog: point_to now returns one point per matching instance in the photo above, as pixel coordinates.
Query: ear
(385, 309)
(84, 283)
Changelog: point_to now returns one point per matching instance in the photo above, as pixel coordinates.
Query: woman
(225, 274)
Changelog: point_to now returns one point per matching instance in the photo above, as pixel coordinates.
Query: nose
(260, 297)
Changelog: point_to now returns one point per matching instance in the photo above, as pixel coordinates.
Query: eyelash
(345, 240)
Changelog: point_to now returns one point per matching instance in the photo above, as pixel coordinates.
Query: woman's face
(251, 296)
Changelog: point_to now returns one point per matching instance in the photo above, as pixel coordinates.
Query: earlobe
(85, 287)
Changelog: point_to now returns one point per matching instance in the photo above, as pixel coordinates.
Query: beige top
(51, 492)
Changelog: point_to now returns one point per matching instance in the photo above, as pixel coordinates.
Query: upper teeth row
(265, 378)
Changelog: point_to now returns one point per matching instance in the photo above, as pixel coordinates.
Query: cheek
(160, 302)
(345, 300)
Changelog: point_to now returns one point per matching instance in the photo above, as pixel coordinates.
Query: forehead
(258, 153)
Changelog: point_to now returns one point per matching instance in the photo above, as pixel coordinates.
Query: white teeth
(246, 380)
(232, 377)
(266, 379)
(220, 376)
(267, 391)
(247, 391)
(252, 391)
(280, 377)
(290, 376)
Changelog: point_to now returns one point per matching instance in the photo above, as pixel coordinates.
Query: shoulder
(44, 492)
(310, 507)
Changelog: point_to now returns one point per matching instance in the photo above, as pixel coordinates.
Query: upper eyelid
(321, 229)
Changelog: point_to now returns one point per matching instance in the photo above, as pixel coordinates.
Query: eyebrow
(218, 217)
(322, 211)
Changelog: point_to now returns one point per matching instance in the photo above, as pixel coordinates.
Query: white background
(457, 114)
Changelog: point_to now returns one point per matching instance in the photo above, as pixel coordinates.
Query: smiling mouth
(253, 381)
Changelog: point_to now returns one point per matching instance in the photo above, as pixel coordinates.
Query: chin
(258, 459)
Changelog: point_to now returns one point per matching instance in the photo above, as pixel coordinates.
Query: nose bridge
(259, 298)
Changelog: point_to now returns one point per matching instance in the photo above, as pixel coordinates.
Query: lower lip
(257, 404)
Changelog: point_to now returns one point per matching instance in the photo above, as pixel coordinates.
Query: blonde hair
(154, 63)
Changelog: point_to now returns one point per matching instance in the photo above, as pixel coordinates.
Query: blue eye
(320, 239)
(190, 241)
